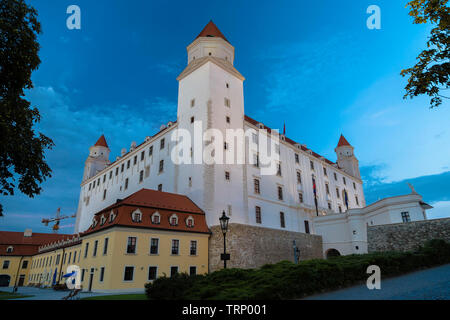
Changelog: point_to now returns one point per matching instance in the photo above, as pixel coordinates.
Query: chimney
(28, 233)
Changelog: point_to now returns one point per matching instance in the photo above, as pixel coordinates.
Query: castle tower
(211, 92)
(98, 158)
(346, 159)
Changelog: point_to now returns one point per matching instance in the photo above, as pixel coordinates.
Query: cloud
(74, 130)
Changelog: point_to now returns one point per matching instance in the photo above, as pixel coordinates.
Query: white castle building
(211, 91)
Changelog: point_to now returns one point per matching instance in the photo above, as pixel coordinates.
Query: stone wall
(252, 247)
(406, 236)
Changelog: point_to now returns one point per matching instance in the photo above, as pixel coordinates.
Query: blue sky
(312, 65)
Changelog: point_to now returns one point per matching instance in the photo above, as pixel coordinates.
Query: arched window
(190, 222)
(156, 218)
(136, 216)
(112, 216)
(10, 249)
(173, 220)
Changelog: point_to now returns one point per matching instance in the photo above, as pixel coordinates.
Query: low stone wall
(406, 236)
(252, 247)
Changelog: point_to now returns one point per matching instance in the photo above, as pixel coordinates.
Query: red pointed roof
(211, 30)
(343, 142)
(101, 142)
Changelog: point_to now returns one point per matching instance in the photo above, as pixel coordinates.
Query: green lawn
(141, 296)
(10, 295)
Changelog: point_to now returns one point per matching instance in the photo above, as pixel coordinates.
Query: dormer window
(10, 249)
(137, 216)
(173, 220)
(190, 222)
(102, 220)
(156, 218)
(94, 222)
(112, 216)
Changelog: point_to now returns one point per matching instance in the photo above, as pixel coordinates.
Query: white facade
(347, 233)
(211, 91)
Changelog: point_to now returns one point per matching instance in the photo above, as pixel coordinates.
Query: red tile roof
(211, 30)
(148, 202)
(26, 245)
(343, 141)
(101, 142)
(290, 141)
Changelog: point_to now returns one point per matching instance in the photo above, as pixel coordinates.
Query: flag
(54, 276)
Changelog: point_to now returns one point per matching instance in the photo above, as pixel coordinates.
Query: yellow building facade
(129, 244)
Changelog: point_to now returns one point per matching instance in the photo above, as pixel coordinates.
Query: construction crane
(57, 219)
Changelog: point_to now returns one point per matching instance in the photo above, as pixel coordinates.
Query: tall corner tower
(98, 158)
(346, 159)
(211, 92)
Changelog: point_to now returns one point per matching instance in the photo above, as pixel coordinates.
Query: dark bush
(60, 287)
(286, 280)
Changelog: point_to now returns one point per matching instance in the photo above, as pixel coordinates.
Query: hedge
(286, 280)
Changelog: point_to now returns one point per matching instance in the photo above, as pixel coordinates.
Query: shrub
(286, 280)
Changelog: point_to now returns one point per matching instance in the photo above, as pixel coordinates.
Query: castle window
(156, 218)
(89, 187)
(161, 144)
(128, 164)
(131, 245)
(228, 85)
(135, 160)
(406, 217)
(193, 249)
(343, 179)
(335, 176)
(324, 171)
(105, 247)
(329, 205)
(228, 119)
(357, 200)
(311, 163)
(279, 169)
(280, 193)
(354, 185)
(175, 246)
(104, 194)
(257, 186)
(173, 220)
(141, 176)
(128, 273)
(225, 145)
(299, 177)
(110, 175)
(98, 181)
(160, 187)
(150, 151)
(337, 193)
(306, 226)
(122, 167)
(227, 102)
(340, 209)
(193, 100)
(10, 249)
(258, 214)
(227, 175)
(137, 216)
(154, 246)
(190, 222)
(153, 271)
(104, 178)
(327, 188)
(300, 197)
(161, 166)
(142, 155)
(93, 185)
(94, 253)
(192, 119)
(117, 171)
(126, 183)
(6, 264)
(282, 222)
(297, 158)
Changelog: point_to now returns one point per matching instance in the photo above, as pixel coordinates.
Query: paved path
(430, 284)
(50, 294)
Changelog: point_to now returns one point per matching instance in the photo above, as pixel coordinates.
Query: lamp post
(224, 226)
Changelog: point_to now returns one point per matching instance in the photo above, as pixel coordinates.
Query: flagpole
(315, 196)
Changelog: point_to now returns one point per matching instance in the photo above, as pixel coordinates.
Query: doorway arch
(331, 253)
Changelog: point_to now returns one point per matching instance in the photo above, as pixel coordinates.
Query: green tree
(430, 75)
(22, 158)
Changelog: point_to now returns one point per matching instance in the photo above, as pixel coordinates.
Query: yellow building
(142, 237)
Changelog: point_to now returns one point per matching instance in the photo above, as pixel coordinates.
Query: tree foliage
(430, 75)
(22, 158)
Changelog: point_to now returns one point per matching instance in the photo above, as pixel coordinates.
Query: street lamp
(224, 226)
